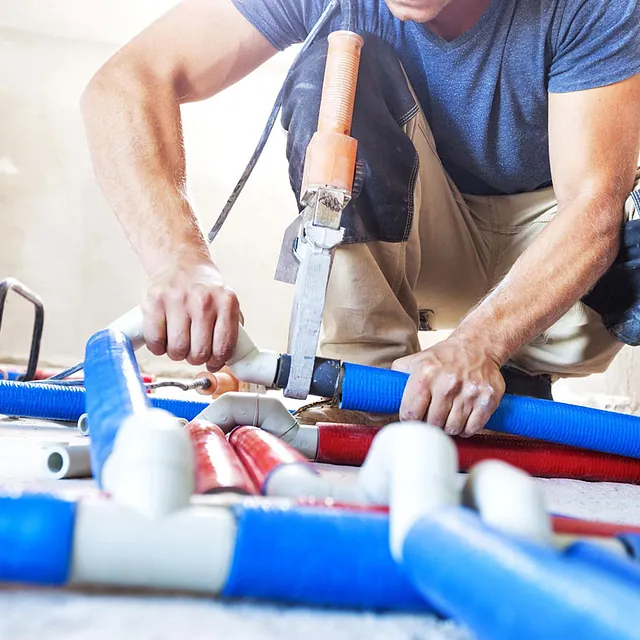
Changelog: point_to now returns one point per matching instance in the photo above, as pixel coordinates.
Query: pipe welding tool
(310, 242)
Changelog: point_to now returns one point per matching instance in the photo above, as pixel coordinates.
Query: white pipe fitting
(64, 461)
(508, 499)
(301, 481)
(247, 362)
(412, 467)
(234, 409)
(151, 468)
(83, 424)
(191, 549)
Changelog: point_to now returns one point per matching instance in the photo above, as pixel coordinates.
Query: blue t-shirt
(485, 94)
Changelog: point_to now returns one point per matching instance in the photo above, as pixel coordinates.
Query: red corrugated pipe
(348, 444)
(261, 453)
(218, 467)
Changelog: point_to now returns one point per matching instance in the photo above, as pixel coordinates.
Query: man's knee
(382, 208)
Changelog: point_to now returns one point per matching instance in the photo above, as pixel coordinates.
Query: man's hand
(455, 385)
(190, 313)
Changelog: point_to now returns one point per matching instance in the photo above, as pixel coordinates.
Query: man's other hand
(452, 385)
(189, 313)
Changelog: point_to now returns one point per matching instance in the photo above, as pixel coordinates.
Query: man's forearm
(134, 130)
(556, 270)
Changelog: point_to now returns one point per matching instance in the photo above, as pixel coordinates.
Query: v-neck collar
(481, 23)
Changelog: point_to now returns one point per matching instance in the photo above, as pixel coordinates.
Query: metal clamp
(11, 284)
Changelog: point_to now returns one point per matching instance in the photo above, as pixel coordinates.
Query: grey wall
(57, 234)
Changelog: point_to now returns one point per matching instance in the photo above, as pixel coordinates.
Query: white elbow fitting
(251, 409)
(508, 499)
(151, 468)
(412, 467)
(250, 364)
(132, 325)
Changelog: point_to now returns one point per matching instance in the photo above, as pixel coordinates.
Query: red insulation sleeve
(348, 444)
(577, 527)
(218, 467)
(261, 453)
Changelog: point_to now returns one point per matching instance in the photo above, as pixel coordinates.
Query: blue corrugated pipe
(503, 588)
(36, 536)
(380, 390)
(53, 402)
(318, 556)
(115, 391)
(603, 559)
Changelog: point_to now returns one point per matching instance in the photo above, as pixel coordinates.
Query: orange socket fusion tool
(326, 190)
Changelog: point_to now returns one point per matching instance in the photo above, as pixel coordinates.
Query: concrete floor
(27, 613)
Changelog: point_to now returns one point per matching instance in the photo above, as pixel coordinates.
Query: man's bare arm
(131, 110)
(594, 143)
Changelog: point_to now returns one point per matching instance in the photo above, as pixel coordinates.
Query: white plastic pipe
(508, 499)
(412, 467)
(64, 461)
(190, 549)
(151, 468)
(300, 481)
(247, 362)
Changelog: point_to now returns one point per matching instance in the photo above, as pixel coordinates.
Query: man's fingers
(201, 338)
(155, 329)
(403, 364)
(178, 334)
(458, 416)
(415, 400)
(203, 319)
(482, 411)
(225, 334)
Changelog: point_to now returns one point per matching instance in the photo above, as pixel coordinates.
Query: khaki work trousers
(459, 248)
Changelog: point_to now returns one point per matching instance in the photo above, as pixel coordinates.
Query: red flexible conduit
(348, 444)
(261, 453)
(218, 467)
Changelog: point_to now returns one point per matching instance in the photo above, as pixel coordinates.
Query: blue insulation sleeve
(372, 389)
(53, 402)
(599, 558)
(114, 391)
(36, 537)
(632, 542)
(504, 588)
(380, 390)
(44, 401)
(318, 556)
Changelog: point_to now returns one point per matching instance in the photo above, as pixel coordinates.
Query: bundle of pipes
(355, 387)
(495, 572)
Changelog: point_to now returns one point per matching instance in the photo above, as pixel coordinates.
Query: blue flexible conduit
(36, 537)
(317, 556)
(599, 558)
(380, 391)
(54, 402)
(503, 588)
(114, 391)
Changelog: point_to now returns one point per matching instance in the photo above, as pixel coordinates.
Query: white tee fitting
(508, 499)
(412, 467)
(151, 468)
(191, 549)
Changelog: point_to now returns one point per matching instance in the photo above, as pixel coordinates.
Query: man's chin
(409, 13)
